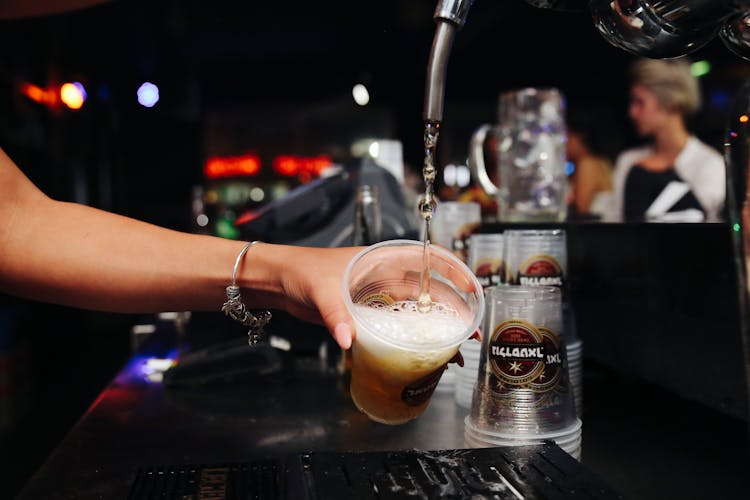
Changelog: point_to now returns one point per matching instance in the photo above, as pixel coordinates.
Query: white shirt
(698, 165)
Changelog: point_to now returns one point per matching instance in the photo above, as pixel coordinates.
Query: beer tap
(656, 28)
(450, 15)
(651, 28)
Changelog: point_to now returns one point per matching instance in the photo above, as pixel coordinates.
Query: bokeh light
(148, 94)
(73, 95)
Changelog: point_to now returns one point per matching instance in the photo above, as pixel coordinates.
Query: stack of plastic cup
(575, 372)
(453, 224)
(536, 257)
(486, 253)
(574, 348)
(569, 439)
(540, 257)
(466, 376)
(487, 258)
(522, 395)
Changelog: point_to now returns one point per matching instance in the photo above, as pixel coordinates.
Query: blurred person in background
(684, 176)
(588, 148)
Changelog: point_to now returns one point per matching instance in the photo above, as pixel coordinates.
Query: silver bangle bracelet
(237, 310)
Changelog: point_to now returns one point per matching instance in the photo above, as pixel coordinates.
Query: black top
(643, 186)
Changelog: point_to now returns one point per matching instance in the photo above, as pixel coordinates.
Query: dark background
(279, 75)
(280, 78)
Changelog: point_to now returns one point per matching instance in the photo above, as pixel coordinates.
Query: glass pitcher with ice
(524, 165)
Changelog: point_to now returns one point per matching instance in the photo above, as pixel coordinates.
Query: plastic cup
(536, 256)
(539, 257)
(399, 353)
(569, 439)
(522, 385)
(453, 224)
(466, 375)
(573, 447)
(564, 435)
(486, 258)
(574, 350)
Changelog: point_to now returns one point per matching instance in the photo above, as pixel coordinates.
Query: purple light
(148, 95)
(147, 368)
(81, 89)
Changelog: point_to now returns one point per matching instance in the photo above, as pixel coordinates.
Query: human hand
(310, 281)
(307, 283)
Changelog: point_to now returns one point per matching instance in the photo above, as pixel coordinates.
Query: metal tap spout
(450, 15)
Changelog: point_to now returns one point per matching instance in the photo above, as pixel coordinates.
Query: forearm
(76, 255)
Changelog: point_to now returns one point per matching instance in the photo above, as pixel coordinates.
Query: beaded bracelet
(237, 310)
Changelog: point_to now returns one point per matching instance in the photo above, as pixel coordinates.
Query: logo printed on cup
(516, 352)
(540, 269)
(523, 355)
(419, 391)
(377, 299)
(552, 373)
(489, 271)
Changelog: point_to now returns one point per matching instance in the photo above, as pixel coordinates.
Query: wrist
(259, 274)
(235, 306)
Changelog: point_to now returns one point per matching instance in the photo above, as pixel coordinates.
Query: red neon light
(37, 94)
(218, 167)
(286, 165)
(305, 167)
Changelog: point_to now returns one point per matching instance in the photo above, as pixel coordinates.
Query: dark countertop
(289, 404)
(137, 423)
(643, 441)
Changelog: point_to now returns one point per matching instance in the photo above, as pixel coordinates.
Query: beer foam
(402, 323)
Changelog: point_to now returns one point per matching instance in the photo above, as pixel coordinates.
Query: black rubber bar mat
(528, 472)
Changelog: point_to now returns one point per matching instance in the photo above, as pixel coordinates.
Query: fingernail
(343, 334)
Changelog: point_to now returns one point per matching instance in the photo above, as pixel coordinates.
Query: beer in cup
(400, 353)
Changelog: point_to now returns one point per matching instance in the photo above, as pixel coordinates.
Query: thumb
(338, 321)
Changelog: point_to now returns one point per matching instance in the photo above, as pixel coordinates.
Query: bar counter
(301, 405)
(660, 416)
(304, 406)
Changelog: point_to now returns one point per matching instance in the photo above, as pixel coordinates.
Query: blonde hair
(671, 81)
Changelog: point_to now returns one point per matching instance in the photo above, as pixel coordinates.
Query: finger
(338, 321)
(457, 358)
(344, 334)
